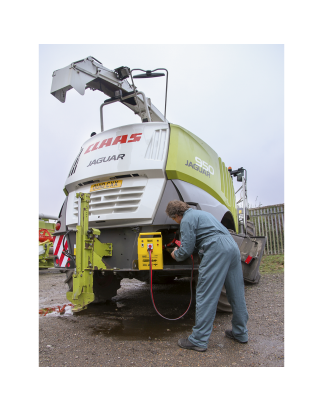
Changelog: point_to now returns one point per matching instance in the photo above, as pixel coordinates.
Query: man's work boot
(185, 343)
(228, 333)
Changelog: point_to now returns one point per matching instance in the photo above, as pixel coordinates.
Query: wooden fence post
(269, 222)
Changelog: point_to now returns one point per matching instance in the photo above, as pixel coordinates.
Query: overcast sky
(231, 96)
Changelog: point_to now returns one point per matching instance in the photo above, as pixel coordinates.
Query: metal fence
(269, 222)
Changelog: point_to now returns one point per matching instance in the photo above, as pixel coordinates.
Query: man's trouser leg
(234, 286)
(212, 273)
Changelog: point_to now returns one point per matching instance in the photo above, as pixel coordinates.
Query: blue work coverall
(220, 264)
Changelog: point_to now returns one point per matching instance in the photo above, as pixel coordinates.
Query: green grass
(272, 263)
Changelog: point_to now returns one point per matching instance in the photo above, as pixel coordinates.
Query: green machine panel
(190, 159)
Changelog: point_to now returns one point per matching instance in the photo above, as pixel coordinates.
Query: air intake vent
(116, 177)
(155, 150)
(73, 169)
(114, 200)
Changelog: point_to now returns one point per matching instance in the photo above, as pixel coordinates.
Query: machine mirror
(149, 74)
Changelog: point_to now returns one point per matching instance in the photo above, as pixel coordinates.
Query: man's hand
(176, 248)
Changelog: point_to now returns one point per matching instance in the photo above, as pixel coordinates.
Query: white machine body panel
(135, 157)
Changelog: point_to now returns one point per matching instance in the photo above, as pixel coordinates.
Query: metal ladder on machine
(241, 174)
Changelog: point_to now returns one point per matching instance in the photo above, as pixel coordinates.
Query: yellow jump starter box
(154, 241)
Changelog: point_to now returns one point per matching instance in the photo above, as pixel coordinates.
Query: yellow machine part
(155, 241)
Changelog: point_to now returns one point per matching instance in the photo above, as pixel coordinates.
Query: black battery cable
(151, 286)
(66, 252)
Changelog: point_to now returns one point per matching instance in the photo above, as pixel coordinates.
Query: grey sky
(231, 96)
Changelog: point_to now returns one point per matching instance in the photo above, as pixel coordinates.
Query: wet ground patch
(127, 332)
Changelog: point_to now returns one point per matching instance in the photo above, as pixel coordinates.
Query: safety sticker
(105, 185)
(58, 246)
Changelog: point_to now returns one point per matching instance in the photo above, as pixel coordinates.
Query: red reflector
(249, 258)
(58, 226)
(68, 264)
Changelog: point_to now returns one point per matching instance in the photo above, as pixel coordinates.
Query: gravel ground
(127, 332)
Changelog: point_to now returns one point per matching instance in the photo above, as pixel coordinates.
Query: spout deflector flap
(68, 78)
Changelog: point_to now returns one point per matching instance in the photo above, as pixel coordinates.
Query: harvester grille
(114, 200)
(155, 149)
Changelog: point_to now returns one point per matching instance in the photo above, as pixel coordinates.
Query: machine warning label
(105, 185)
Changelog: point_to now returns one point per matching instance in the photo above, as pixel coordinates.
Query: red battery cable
(151, 288)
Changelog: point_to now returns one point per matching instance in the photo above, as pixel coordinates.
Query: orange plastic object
(44, 235)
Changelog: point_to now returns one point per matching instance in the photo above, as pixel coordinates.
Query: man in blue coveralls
(220, 264)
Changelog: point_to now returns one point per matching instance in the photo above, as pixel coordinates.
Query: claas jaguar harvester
(119, 186)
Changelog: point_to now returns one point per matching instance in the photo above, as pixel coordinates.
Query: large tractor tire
(69, 279)
(251, 229)
(104, 286)
(223, 304)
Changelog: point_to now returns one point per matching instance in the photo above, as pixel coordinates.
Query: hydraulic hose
(65, 252)
(152, 295)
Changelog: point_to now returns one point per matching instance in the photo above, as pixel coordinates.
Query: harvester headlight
(239, 177)
(122, 72)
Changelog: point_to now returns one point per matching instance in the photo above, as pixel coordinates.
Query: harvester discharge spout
(89, 73)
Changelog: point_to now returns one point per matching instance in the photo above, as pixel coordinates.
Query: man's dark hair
(175, 208)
